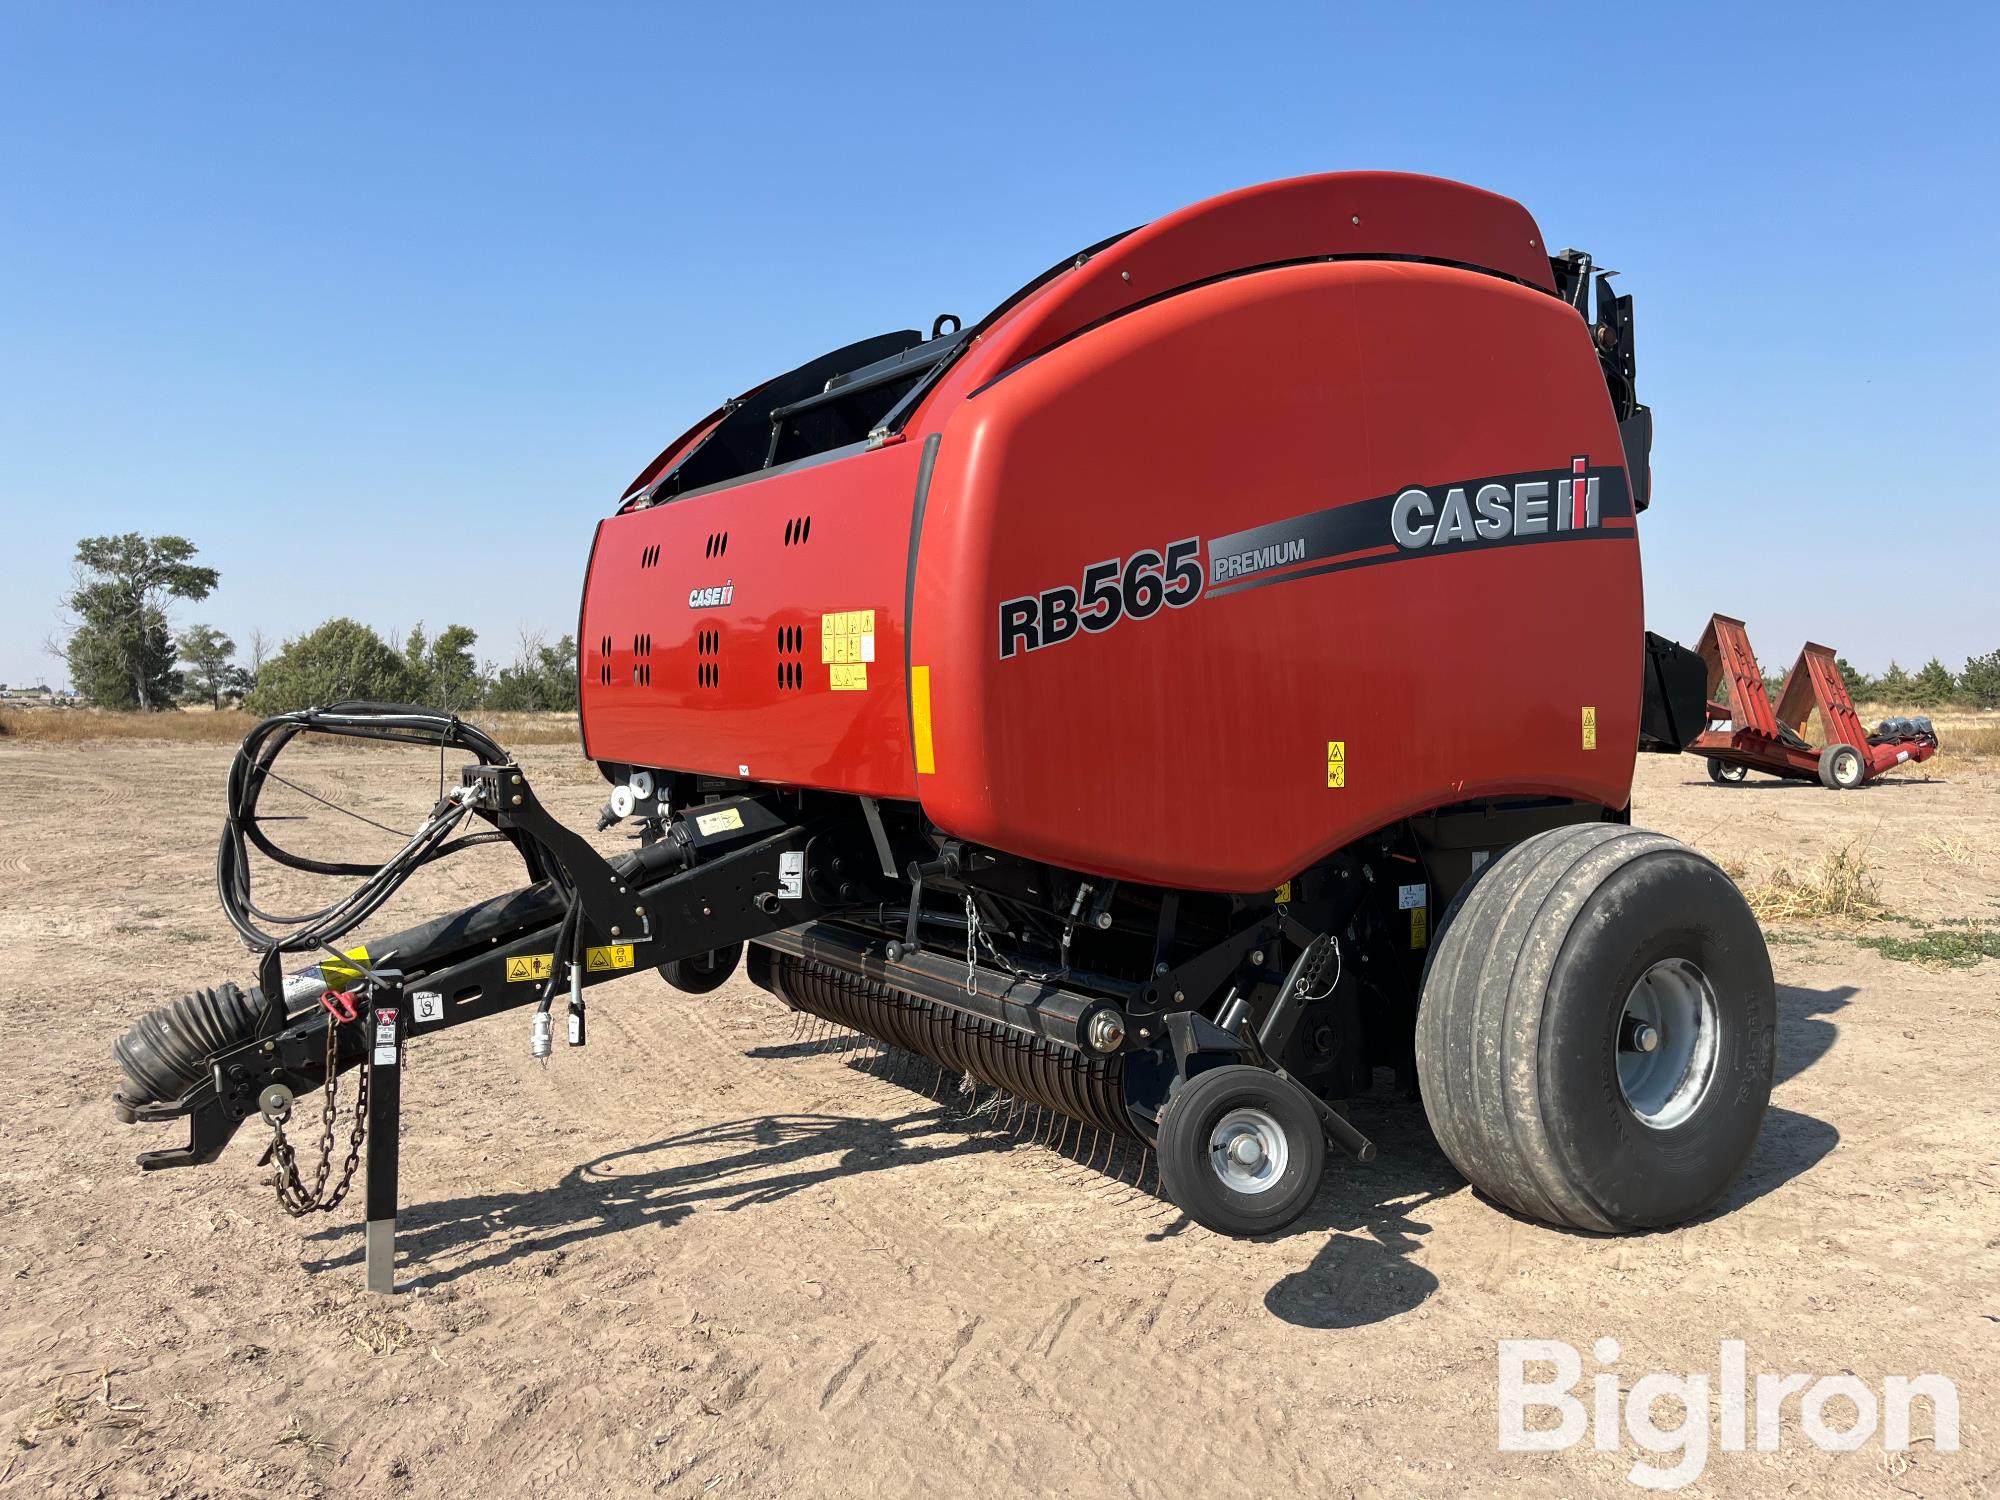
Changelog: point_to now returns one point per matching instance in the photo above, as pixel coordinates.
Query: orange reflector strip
(920, 720)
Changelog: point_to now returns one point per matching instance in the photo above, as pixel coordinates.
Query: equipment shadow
(1365, 1272)
(734, 1165)
(1758, 783)
(1804, 1035)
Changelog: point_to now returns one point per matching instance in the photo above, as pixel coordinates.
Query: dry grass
(1835, 887)
(83, 725)
(65, 726)
(1948, 848)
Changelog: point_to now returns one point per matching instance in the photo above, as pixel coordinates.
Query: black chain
(292, 1191)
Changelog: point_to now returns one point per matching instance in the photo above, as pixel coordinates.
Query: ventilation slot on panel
(707, 644)
(649, 557)
(718, 543)
(642, 670)
(791, 670)
(798, 531)
(604, 661)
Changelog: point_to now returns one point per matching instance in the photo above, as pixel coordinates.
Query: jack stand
(385, 1100)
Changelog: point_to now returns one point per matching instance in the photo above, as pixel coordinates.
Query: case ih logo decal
(1504, 510)
(1495, 510)
(711, 598)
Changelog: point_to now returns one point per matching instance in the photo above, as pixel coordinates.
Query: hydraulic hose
(252, 768)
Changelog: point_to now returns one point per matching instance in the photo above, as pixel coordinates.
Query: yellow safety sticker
(1336, 762)
(603, 960)
(719, 822)
(336, 973)
(1284, 893)
(1420, 927)
(529, 966)
(848, 676)
(1590, 729)
(920, 720)
(847, 635)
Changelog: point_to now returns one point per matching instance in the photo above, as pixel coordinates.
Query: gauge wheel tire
(1536, 1074)
(1724, 774)
(1241, 1150)
(702, 972)
(1841, 767)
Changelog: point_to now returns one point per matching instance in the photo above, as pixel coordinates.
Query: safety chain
(976, 938)
(971, 946)
(292, 1191)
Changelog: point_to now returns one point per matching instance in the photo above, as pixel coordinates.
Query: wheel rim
(1847, 768)
(1735, 773)
(1247, 1151)
(1667, 1040)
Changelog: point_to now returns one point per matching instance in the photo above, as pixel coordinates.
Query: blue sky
(383, 305)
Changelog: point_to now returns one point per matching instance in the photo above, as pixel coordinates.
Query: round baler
(1201, 691)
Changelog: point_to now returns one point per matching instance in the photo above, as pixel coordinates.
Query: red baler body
(1262, 375)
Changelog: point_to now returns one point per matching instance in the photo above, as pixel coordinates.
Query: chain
(292, 1191)
(975, 939)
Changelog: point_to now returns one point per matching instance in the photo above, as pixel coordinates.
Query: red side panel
(708, 623)
(1325, 680)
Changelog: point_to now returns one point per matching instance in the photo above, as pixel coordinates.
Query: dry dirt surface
(709, 1256)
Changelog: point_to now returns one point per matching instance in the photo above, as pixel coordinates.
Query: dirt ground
(704, 1256)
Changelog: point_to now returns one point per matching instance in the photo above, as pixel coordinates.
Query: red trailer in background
(1750, 733)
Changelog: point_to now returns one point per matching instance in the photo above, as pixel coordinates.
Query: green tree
(207, 651)
(121, 651)
(1981, 679)
(1893, 686)
(339, 661)
(1934, 686)
(1858, 687)
(443, 673)
(541, 679)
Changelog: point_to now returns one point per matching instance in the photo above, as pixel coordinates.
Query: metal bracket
(613, 912)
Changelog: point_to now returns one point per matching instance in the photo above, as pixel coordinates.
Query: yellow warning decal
(1420, 927)
(848, 677)
(1284, 893)
(719, 822)
(336, 973)
(1590, 729)
(847, 635)
(920, 720)
(603, 960)
(1336, 762)
(528, 967)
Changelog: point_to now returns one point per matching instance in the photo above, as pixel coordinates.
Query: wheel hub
(1668, 1036)
(1247, 1151)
